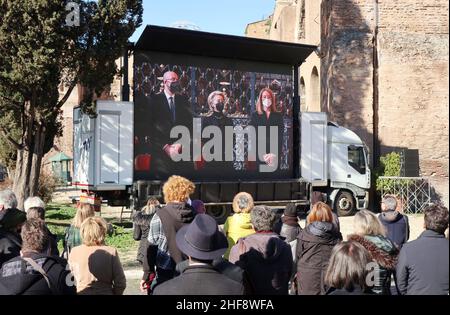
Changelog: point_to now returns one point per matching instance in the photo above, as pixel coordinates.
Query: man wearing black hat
(202, 242)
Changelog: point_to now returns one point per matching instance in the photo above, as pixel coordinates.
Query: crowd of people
(183, 250)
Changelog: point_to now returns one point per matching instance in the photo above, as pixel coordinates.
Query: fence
(413, 192)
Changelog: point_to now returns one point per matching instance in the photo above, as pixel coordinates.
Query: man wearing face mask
(165, 111)
(216, 117)
(266, 115)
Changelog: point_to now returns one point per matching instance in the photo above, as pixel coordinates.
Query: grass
(59, 217)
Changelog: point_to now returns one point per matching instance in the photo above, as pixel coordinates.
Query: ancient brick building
(383, 72)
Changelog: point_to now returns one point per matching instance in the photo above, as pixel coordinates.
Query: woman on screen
(266, 115)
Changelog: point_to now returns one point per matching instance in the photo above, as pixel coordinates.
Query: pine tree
(44, 43)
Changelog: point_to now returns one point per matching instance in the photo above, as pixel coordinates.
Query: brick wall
(412, 86)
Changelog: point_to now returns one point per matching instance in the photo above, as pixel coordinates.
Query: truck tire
(220, 213)
(344, 204)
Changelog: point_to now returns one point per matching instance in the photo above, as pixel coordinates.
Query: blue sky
(225, 17)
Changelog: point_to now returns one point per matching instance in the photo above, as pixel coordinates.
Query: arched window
(314, 93)
(303, 106)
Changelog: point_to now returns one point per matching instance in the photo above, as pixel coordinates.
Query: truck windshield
(356, 159)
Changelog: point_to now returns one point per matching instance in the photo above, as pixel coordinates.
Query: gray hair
(33, 202)
(262, 218)
(8, 199)
(348, 266)
(390, 203)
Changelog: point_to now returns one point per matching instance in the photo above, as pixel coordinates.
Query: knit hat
(290, 210)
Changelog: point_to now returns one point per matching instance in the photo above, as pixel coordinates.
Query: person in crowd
(266, 115)
(202, 242)
(423, 264)
(96, 267)
(395, 223)
(72, 236)
(238, 225)
(347, 270)
(288, 225)
(163, 228)
(370, 233)
(198, 206)
(11, 220)
(36, 271)
(314, 245)
(141, 224)
(265, 257)
(35, 209)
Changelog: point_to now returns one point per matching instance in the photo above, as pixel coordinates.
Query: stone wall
(384, 72)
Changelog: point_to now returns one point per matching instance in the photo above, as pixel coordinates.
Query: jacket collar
(431, 233)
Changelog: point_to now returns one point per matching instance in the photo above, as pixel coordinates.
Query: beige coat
(97, 270)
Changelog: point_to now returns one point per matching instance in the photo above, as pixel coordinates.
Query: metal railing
(413, 192)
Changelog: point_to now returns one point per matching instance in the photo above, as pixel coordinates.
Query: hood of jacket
(382, 250)
(320, 232)
(180, 211)
(16, 280)
(390, 216)
(141, 218)
(269, 245)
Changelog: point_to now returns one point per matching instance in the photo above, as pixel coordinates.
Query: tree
(44, 43)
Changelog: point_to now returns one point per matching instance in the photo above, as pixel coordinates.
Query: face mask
(267, 103)
(220, 106)
(174, 87)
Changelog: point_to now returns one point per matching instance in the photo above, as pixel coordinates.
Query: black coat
(223, 169)
(10, 245)
(314, 246)
(423, 265)
(200, 280)
(17, 277)
(275, 119)
(153, 124)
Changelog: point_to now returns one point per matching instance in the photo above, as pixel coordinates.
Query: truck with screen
(224, 112)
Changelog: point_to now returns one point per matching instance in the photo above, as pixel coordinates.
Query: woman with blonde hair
(266, 115)
(163, 228)
(219, 168)
(314, 245)
(72, 236)
(239, 225)
(370, 233)
(96, 267)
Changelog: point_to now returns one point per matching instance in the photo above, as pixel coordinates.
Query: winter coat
(267, 259)
(200, 280)
(141, 222)
(314, 246)
(397, 227)
(236, 226)
(18, 277)
(10, 245)
(289, 228)
(385, 254)
(423, 265)
(97, 270)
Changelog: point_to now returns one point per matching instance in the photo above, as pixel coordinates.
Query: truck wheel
(220, 213)
(344, 204)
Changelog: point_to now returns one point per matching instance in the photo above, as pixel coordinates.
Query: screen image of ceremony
(211, 119)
